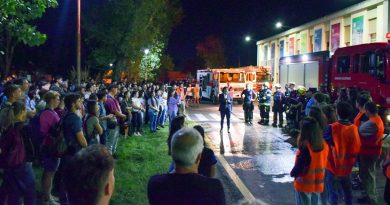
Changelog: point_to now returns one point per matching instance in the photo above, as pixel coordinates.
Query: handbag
(112, 123)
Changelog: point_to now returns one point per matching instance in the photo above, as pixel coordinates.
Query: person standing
(248, 96)
(310, 163)
(114, 108)
(225, 107)
(264, 97)
(371, 133)
(278, 108)
(197, 96)
(343, 140)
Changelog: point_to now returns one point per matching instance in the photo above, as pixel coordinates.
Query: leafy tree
(211, 50)
(16, 17)
(125, 28)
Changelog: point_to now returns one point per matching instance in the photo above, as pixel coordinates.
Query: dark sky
(231, 20)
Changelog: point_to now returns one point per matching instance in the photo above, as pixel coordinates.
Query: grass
(139, 158)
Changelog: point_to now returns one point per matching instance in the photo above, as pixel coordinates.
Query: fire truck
(213, 80)
(364, 67)
(258, 75)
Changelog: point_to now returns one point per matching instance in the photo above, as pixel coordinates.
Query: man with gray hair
(184, 185)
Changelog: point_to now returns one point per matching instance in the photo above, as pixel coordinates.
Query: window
(232, 77)
(356, 63)
(380, 73)
(364, 63)
(250, 76)
(343, 64)
(261, 77)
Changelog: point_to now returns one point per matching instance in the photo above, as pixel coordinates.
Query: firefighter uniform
(248, 96)
(344, 144)
(312, 182)
(278, 107)
(264, 97)
(369, 154)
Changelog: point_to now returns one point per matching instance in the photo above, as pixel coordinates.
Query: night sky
(231, 20)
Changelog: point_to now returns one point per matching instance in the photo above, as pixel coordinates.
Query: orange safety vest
(372, 145)
(357, 121)
(343, 154)
(388, 171)
(313, 179)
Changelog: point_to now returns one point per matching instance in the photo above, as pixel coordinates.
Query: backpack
(85, 129)
(34, 126)
(58, 147)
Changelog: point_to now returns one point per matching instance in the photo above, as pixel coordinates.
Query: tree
(126, 28)
(211, 50)
(16, 17)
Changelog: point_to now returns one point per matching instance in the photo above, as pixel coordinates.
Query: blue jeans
(227, 114)
(172, 114)
(161, 120)
(312, 198)
(112, 140)
(20, 182)
(152, 120)
(333, 185)
(103, 137)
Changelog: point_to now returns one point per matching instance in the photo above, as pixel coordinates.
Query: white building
(366, 22)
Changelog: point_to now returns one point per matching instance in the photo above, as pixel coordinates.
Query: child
(310, 163)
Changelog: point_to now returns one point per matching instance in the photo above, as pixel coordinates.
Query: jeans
(20, 182)
(172, 114)
(112, 140)
(227, 114)
(136, 121)
(334, 184)
(152, 120)
(161, 119)
(367, 174)
(312, 198)
(103, 137)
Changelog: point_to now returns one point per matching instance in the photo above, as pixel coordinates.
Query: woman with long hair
(136, 109)
(19, 180)
(316, 113)
(91, 123)
(310, 164)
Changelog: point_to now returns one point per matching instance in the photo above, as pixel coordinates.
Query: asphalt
(258, 155)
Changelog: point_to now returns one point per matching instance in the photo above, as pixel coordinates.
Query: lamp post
(78, 42)
(279, 25)
(247, 39)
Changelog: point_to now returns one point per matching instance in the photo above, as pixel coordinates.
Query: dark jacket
(225, 104)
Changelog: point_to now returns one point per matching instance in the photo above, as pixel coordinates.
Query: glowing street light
(279, 25)
(146, 51)
(247, 38)
(111, 64)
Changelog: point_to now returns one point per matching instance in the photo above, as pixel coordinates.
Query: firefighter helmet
(277, 85)
(266, 84)
(301, 90)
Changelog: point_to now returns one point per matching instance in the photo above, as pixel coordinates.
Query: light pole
(146, 51)
(247, 39)
(78, 42)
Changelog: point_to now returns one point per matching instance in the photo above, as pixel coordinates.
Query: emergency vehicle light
(388, 35)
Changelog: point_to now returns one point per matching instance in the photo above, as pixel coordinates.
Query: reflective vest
(372, 145)
(342, 155)
(313, 179)
(357, 121)
(388, 172)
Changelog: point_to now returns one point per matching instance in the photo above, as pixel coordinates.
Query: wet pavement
(258, 154)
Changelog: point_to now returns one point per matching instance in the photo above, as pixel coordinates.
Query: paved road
(258, 154)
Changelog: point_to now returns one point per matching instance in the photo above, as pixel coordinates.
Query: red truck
(362, 67)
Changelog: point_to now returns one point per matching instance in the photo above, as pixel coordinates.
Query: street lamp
(279, 25)
(247, 38)
(78, 42)
(111, 64)
(146, 51)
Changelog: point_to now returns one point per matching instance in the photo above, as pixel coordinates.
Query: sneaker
(274, 125)
(228, 130)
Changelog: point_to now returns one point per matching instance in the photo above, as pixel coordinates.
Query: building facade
(366, 22)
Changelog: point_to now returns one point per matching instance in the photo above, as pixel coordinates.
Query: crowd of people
(72, 133)
(334, 133)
